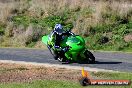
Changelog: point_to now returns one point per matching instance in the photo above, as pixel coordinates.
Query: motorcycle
(77, 52)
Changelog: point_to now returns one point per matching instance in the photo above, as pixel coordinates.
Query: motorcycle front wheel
(89, 57)
(53, 53)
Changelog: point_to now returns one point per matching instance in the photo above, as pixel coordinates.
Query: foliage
(2, 31)
(103, 24)
(52, 20)
(21, 20)
(47, 22)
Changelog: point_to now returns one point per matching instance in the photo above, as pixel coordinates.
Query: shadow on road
(98, 62)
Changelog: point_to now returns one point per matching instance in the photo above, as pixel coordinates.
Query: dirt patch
(39, 44)
(26, 73)
(128, 38)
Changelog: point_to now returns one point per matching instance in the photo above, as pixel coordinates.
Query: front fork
(82, 54)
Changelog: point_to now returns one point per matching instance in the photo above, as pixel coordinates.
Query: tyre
(89, 56)
(53, 53)
(61, 57)
(57, 55)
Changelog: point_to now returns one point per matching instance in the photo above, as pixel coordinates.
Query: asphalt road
(117, 61)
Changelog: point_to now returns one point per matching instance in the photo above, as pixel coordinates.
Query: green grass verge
(69, 84)
(55, 84)
(113, 75)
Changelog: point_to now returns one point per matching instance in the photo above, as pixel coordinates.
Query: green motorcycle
(76, 49)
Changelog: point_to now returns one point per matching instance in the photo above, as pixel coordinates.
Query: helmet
(58, 29)
(58, 26)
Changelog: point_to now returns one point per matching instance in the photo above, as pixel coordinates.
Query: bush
(47, 22)
(52, 20)
(1, 31)
(21, 20)
(103, 40)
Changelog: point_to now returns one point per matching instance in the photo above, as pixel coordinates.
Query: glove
(66, 49)
(56, 46)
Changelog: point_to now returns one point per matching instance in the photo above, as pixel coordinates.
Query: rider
(57, 34)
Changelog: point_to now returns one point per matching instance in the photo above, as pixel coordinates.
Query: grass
(68, 84)
(54, 84)
(113, 75)
(43, 84)
(104, 24)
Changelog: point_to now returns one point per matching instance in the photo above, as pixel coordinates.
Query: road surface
(117, 61)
